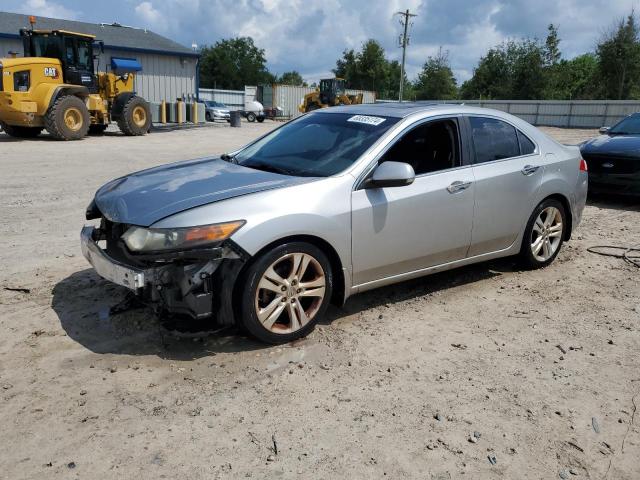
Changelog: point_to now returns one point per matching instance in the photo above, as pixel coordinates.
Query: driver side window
(430, 147)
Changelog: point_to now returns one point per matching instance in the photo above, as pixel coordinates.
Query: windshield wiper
(228, 158)
(270, 168)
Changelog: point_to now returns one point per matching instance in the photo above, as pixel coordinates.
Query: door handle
(458, 186)
(530, 169)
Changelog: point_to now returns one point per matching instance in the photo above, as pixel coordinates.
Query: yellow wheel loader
(55, 87)
(330, 93)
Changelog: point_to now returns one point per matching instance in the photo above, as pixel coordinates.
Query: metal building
(169, 70)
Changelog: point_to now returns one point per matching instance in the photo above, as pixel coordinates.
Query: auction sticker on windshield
(367, 119)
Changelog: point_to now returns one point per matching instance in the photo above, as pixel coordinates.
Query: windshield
(315, 145)
(628, 126)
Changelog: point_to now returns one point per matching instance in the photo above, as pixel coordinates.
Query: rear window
(493, 139)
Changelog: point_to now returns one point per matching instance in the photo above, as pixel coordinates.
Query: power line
(404, 41)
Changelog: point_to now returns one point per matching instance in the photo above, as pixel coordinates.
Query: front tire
(136, 117)
(67, 119)
(251, 117)
(207, 116)
(285, 292)
(544, 234)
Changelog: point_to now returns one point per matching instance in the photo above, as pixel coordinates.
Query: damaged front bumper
(197, 284)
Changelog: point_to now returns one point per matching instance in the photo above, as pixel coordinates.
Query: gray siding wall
(163, 77)
(9, 45)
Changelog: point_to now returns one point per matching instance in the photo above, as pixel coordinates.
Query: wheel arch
(339, 281)
(75, 90)
(567, 209)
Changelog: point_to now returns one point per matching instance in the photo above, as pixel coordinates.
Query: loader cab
(330, 89)
(74, 50)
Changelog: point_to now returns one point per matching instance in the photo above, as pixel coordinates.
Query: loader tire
(20, 132)
(67, 119)
(136, 117)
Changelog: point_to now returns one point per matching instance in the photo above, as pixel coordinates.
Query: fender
(119, 103)
(66, 89)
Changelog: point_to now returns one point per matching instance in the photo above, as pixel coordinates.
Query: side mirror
(604, 130)
(391, 174)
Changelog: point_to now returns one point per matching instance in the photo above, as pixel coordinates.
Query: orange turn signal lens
(212, 233)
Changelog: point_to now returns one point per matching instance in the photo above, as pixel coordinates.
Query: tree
(619, 60)
(369, 69)
(552, 53)
(291, 78)
(436, 81)
(575, 79)
(512, 70)
(232, 64)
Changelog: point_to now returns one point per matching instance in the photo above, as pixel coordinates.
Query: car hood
(616, 145)
(146, 197)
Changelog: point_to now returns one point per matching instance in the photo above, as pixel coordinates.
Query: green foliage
(369, 69)
(619, 60)
(512, 70)
(436, 81)
(291, 78)
(232, 64)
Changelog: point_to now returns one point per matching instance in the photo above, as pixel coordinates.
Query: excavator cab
(74, 50)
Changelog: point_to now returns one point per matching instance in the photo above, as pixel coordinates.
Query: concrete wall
(163, 77)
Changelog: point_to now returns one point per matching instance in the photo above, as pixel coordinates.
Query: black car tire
(248, 289)
(251, 117)
(260, 119)
(207, 116)
(527, 257)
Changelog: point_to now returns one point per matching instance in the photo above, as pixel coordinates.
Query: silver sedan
(337, 202)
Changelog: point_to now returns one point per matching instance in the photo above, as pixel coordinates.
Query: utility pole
(404, 41)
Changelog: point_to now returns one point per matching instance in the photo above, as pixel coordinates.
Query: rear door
(508, 172)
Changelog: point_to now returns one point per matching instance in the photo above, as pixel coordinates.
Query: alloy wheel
(290, 293)
(546, 234)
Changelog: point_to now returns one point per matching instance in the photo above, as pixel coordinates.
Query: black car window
(315, 145)
(493, 139)
(527, 147)
(429, 147)
(627, 126)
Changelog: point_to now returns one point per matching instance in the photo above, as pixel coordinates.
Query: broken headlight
(139, 239)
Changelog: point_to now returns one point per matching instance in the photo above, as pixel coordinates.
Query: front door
(399, 230)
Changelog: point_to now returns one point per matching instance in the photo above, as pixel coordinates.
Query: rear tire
(67, 119)
(207, 116)
(136, 117)
(97, 129)
(21, 132)
(251, 117)
(287, 305)
(544, 234)
(260, 119)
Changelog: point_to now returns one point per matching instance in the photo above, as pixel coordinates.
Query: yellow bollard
(194, 117)
(163, 112)
(179, 116)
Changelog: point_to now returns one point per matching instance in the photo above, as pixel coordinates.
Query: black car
(613, 158)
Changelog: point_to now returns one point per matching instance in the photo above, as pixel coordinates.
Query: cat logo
(51, 72)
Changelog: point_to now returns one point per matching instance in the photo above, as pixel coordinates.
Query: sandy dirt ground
(484, 372)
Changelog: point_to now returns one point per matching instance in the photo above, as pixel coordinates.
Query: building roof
(114, 36)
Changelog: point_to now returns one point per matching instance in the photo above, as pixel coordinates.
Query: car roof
(404, 109)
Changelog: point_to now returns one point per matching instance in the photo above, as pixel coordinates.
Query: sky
(310, 35)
